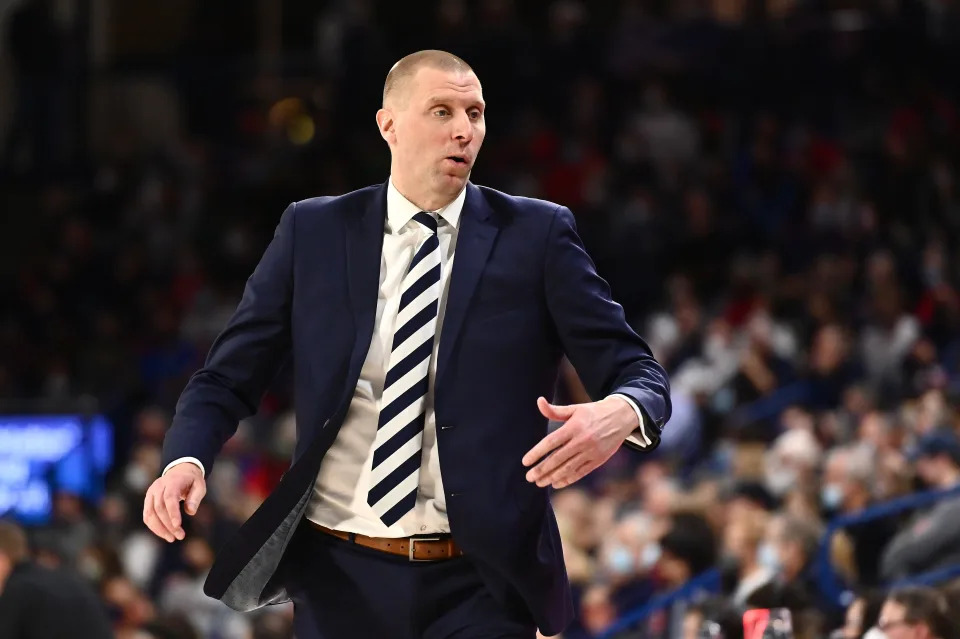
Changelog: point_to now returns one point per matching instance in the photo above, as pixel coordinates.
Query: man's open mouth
(457, 158)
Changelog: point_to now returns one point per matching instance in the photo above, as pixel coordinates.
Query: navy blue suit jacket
(523, 292)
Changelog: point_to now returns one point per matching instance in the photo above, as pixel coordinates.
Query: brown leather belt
(413, 548)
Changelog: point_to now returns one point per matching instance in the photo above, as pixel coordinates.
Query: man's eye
(440, 112)
(475, 115)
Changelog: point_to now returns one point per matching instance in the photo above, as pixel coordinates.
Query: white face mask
(832, 496)
(650, 555)
(619, 560)
(768, 557)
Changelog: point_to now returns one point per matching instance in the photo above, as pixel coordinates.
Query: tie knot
(429, 220)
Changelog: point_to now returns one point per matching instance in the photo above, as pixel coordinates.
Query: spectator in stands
(39, 602)
(713, 615)
(70, 529)
(789, 551)
(748, 496)
(830, 369)
(792, 461)
(184, 596)
(741, 544)
(851, 202)
(887, 339)
(933, 538)
(626, 558)
(951, 590)
(916, 613)
(597, 611)
(861, 615)
(848, 480)
(686, 550)
(129, 608)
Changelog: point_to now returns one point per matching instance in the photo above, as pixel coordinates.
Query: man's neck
(423, 201)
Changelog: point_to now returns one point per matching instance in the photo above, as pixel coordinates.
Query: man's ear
(385, 122)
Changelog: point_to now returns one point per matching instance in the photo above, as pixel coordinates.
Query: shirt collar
(400, 210)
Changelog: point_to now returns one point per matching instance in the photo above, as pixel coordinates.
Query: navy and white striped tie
(397, 448)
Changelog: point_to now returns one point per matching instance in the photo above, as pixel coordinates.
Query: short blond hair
(403, 71)
(13, 542)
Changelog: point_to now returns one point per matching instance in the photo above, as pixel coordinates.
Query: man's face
(674, 570)
(893, 624)
(928, 468)
(435, 127)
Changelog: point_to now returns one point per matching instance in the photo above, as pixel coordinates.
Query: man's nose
(462, 127)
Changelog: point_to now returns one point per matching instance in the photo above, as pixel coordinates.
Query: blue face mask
(620, 561)
(832, 496)
(768, 558)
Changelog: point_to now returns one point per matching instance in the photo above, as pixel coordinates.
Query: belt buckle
(412, 544)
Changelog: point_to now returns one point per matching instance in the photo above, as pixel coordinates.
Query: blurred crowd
(770, 187)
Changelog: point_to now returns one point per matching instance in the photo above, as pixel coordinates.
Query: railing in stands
(830, 582)
(708, 581)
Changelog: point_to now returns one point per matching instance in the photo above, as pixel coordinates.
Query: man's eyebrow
(439, 99)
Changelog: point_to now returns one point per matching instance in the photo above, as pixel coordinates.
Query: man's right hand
(161, 506)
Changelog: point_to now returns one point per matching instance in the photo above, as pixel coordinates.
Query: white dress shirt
(339, 499)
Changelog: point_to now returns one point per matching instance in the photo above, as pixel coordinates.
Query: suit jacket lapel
(364, 243)
(478, 231)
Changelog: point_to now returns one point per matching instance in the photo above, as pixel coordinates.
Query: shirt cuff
(639, 436)
(192, 460)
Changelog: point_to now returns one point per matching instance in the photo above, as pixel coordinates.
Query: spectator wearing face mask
(792, 461)
(846, 490)
(932, 539)
(788, 552)
(626, 559)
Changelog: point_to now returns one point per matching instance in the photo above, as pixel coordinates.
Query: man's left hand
(591, 434)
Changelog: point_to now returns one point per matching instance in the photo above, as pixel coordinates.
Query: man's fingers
(149, 514)
(556, 413)
(542, 471)
(566, 471)
(153, 523)
(580, 471)
(152, 519)
(163, 515)
(555, 439)
(172, 503)
(196, 495)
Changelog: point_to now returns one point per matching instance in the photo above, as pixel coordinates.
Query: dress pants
(344, 591)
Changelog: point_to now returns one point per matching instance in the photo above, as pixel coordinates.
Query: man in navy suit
(426, 319)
